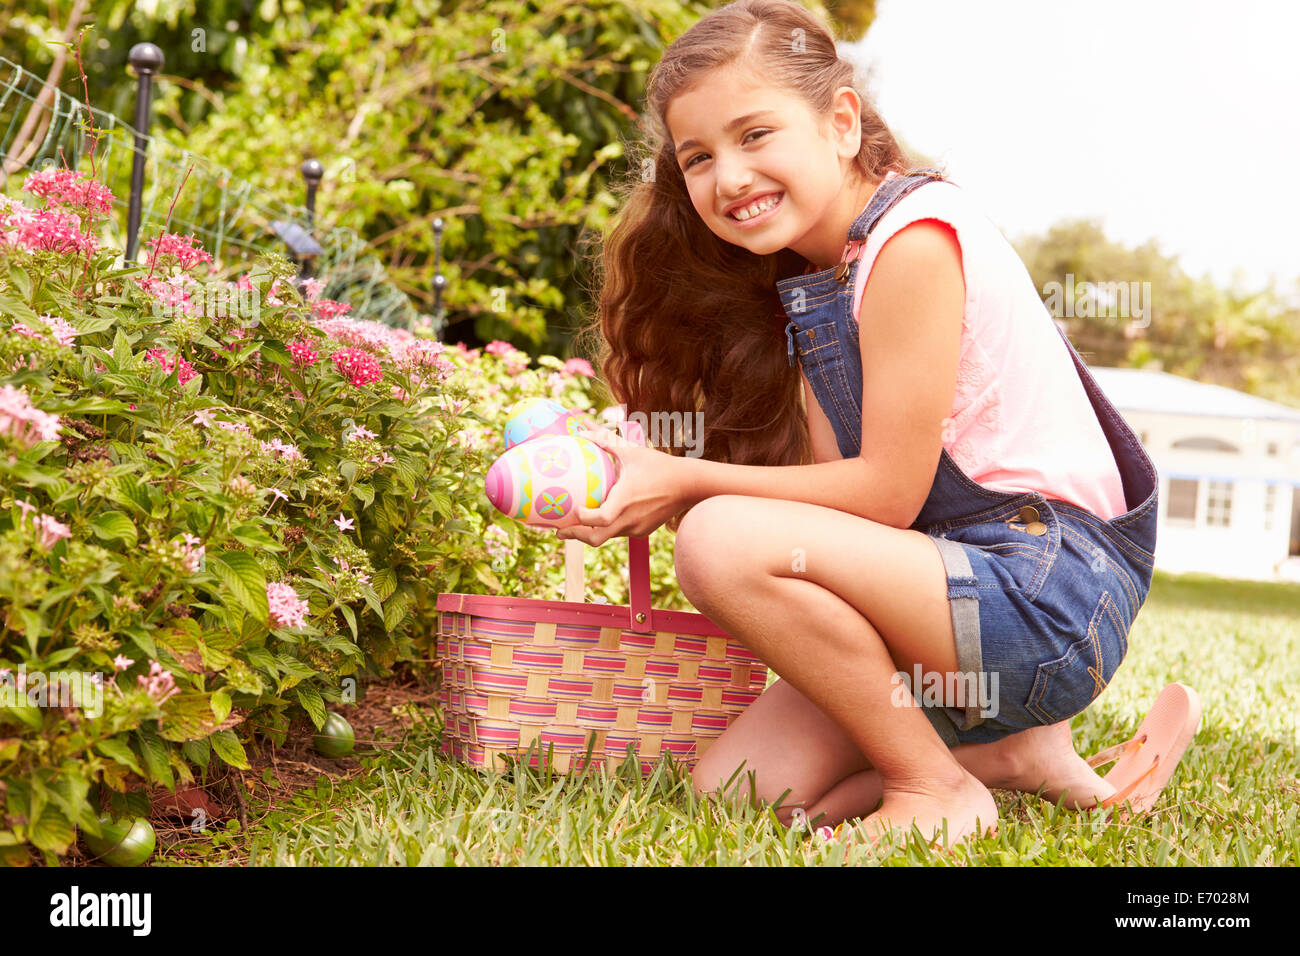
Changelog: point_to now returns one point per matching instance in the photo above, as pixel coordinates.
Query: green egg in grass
(124, 842)
(335, 737)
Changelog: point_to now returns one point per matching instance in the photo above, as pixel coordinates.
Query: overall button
(1036, 527)
(1027, 514)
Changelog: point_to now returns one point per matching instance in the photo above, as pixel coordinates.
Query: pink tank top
(1021, 420)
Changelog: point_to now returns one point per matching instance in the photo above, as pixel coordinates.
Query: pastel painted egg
(533, 417)
(542, 481)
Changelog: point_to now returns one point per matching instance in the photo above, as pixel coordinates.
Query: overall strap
(884, 199)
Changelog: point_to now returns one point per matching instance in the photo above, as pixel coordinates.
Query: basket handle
(638, 553)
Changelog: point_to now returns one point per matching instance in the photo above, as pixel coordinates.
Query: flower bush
(221, 504)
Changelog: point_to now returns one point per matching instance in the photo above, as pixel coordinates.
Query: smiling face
(763, 171)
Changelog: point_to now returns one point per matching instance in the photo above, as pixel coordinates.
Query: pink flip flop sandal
(1147, 760)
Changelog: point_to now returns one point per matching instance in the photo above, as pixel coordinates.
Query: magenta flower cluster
(159, 685)
(44, 230)
(358, 367)
(286, 608)
(65, 187)
(184, 249)
(50, 529)
(304, 356)
(167, 363)
(60, 330)
(22, 421)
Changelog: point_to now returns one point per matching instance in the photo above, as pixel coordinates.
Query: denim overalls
(1042, 592)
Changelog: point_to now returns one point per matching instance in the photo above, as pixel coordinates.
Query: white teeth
(749, 212)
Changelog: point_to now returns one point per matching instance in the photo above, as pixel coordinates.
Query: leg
(858, 602)
(789, 744)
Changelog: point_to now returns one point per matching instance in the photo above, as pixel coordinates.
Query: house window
(1206, 443)
(1182, 499)
(1218, 503)
(1270, 507)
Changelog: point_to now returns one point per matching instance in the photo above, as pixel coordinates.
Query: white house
(1229, 468)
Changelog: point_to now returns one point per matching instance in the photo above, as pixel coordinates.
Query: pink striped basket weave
(579, 684)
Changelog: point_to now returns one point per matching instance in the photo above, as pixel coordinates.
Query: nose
(733, 179)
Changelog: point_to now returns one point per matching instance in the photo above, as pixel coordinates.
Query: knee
(705, 545)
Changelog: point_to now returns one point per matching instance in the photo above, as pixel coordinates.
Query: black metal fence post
(439, 280)
(146, 59)
(312, 172)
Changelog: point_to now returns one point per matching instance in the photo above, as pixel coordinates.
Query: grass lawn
(1233, 801)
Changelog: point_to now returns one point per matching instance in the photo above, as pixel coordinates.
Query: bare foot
(967, 808)
(1044, 757)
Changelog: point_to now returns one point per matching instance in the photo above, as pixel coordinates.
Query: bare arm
(910, 337)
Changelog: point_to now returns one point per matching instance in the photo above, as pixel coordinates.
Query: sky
(1177, 120)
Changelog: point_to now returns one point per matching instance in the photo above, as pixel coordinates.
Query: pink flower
(23, 422)
(52, 530)
(303, 354)
(171, 296)
(360, 432)
(329, 309)
(121, 663)
(159, 685)
(279, 449)
(204, 417)
(286, 608)
(46, 230)
(66, 187)
(234, 427)
(166, 363)
(311, 288)
(64, 333)
(245, 283)
(497, 347)
(579, 366)
(345, 524)
(192, 554)
(358, 367)
(277, 494)
(184, 249)
(26, 509)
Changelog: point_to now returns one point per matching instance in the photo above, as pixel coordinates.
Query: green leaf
(441, 502)
(229, 749)
(312, 702)
(115, 748)
(220, 705)
(51, 831)
(254, 537)
(350, 616)
(154, 752)
(121, 349)
(21, 281)
(113, 525)
(244, 578)
(396, 609)
(365, 494)
(199, 751)
(384, 583)
(484, 574)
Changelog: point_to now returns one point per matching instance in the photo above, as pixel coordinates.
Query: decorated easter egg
(533, 417)
(543, 481)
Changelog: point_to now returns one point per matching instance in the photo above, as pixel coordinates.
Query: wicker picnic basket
(586, 685)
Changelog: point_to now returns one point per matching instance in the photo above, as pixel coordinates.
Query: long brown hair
(685, 321)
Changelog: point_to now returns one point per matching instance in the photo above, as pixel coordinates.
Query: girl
(955, 574)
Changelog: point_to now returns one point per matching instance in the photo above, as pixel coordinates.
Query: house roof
(1145, 390)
